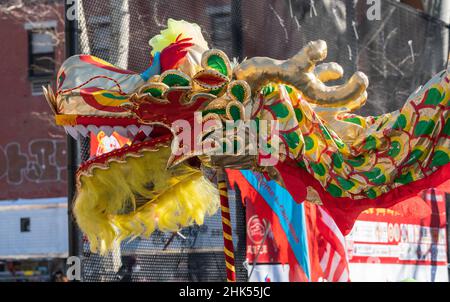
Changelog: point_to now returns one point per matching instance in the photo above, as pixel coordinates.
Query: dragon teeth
(71, 131)
(133, 129)
(120, 130)
(146, 129)
(130, 131)
(82, 130)
(94, 129)
(107, 129)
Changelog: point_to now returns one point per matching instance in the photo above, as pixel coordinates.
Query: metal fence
(398, 52)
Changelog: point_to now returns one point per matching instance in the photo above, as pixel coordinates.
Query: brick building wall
(32, 149)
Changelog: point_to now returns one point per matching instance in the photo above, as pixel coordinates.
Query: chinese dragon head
(172, 113)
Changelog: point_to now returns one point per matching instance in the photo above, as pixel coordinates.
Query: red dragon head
(146, 185)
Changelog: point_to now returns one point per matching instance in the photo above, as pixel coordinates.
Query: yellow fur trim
(109, 203)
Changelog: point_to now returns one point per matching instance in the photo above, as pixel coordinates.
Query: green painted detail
(216, 91)
(382, 124)
(239, 92)
(371, 143)
(345, 183)
(395, 149)
(292, 139)
(424, 128)
(309, 143)
(357, 161)
(172, 80)
(414, 156)
(319, 168)
(230, 148)
(225, 147)
(235, 112)
(338, 143)
(301, 164)
(218, 111)
(115, 97)
(371, 194)
(334, 190)
(440, 158)
(257, 122)
(338, 160)
(280, 110)
(434, 97)
(217, 63)
(298, 114)
(236, 146)
(288, 88)
(267, 90)
(376, 176)
(405, 178)
(354, 120)
(380, 180)
(400, 123)
(447, 127)
(154, 92)
(325, 132)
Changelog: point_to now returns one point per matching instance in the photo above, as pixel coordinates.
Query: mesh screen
(398, 53)
(193, 254)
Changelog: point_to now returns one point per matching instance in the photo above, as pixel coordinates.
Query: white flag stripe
(344, 276)
(435, 197)
(334, 264)
(326, 218)
(325, 257)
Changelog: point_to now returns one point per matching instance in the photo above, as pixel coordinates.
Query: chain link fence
(398, 52)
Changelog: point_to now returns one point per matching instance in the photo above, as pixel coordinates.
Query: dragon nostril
(150, 186)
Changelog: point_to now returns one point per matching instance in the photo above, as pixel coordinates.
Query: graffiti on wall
(42, 161)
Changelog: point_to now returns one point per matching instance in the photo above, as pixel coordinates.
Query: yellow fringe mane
(136, 197)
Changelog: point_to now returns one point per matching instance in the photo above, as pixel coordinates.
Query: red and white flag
(331, 248)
